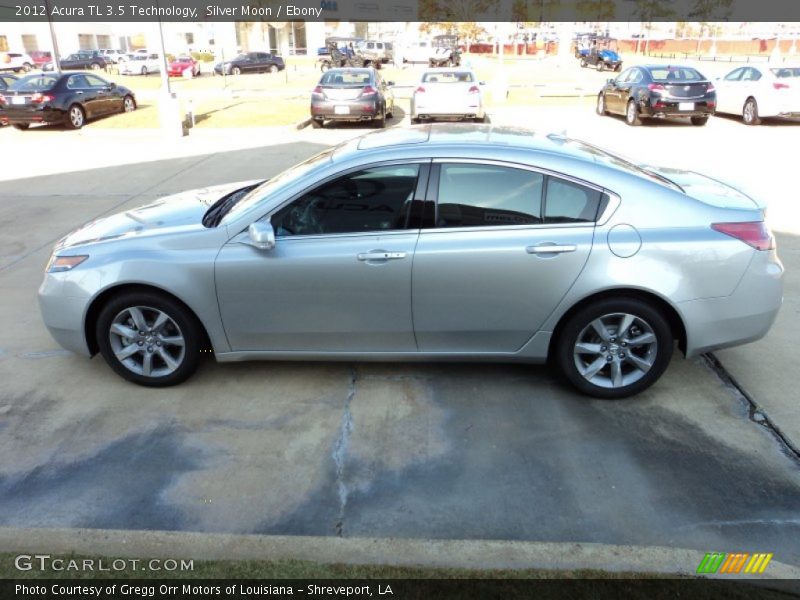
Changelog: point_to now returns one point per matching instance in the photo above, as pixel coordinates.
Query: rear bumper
(33, 116)
(358, 110)
(744, 316)
(671, 108)
(451, 111)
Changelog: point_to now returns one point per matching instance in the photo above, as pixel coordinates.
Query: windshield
(334, 77)
(448, 77)
(34, 83)
(676, 74)
(785, 72)
(285, 178)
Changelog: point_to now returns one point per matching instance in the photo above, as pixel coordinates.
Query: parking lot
(387, 450)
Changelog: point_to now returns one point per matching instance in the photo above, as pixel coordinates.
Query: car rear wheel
(632, 114)
(236, 71)
(614, 348)
(144, 70)
(699, 121)
(583, 62)
(380, 122)
(325, 66)
(128, 104)
(149, 338)
(27, 67)
(21, 126)
(601, 105)
(750, 112)
(600, 66)
(317, 123)
(95, 66)
(75, 117)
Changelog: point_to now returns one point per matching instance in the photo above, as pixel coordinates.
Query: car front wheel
(750, 112)
(149, 338)
(128, 104)
(614, 348)
(601, 105)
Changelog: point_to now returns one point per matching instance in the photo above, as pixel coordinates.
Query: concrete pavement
(411, 451)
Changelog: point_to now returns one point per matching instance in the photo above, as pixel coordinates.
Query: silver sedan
(446, 242)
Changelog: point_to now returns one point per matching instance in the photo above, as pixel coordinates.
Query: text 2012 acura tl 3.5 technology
(456, 242)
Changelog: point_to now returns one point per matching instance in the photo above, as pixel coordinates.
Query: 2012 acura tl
(456, 242)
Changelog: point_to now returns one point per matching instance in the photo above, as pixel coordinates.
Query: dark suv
(251, 62)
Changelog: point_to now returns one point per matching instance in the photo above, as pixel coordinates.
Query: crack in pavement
(756, 413)
(340, 449)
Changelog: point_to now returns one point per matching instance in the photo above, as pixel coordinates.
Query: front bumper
(64, 314)
(744, 316)
(357, 110)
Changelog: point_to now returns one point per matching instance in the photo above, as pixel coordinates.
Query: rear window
(786, 72)
(34, 83)
(454, 77)
(676, 74)
(345, 78)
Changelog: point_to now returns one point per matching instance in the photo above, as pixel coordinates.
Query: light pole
(169, 106)
(56, 57)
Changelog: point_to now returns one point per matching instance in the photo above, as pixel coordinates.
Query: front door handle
(380, 255)
(551, 248)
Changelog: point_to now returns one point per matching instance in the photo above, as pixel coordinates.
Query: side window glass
(734, 75)
(568, 202)
(95, 82)
(376, 199)
(487, 196)
(624, 76)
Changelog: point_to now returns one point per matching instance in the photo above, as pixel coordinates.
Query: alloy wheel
(147, 341)
(128, 104)
(615, 350)
(76, 117)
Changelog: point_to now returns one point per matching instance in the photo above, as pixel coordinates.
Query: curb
(466, 554)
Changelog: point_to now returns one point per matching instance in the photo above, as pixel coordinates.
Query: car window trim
(339, 174)
(433, 196)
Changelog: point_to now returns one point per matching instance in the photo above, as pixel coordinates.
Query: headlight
(59, 264)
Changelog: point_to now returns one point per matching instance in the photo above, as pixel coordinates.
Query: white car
(771, 90)
(114, 56)
(16, 61)
(140, 64)
(448, 93)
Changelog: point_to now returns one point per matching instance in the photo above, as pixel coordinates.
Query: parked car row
(661, 91)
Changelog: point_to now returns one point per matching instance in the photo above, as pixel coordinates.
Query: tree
(711, 10)
(647, 11)
(595, 10)
(465, 10)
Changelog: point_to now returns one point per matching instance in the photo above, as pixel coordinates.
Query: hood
(170, 214)
(707, 189)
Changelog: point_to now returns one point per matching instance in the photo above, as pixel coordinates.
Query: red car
(183, 63)
(40, 58)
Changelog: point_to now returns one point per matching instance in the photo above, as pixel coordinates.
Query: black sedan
(352, 95)
(251, 62)
(5, 81)
(658, 91)
(70, 98)
(86, 59)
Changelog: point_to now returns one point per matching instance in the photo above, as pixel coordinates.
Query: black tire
(600, 66)
(273, 69)
(600, 107)
(76, 122)
(583, 63)
(95, 66)
(236, 71)
(189, 329)
(632, 114)
(618, 67)
(128, 104)
(380, 122)
(27, 67)
(750, 112)
(415, 121)
(317, 123)
(699, 121)
(144, 70)
(21, 126)
(325, 66)
(565, 358)
(480, 119)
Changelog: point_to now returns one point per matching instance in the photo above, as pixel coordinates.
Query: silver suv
(382, 52)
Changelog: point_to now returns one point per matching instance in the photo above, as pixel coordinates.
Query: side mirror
(390, 83)
(261, 235)
(611, 81)
(111, 85)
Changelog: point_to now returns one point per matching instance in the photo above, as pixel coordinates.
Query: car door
(110, 97)
(85, 94)
(339, 276)
(751, 86)
(728, 91)
(495, 261)
(612, 92)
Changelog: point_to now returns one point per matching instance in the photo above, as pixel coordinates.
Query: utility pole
(53, 40)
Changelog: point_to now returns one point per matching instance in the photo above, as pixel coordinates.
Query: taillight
(752, 233)
(655, 87)
(780, 86)
(38, 98)
(474, 90)
(317, 90)
(369, 91)
(419, 90)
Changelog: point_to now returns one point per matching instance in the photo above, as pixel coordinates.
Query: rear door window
(570, 202)
(474, 195)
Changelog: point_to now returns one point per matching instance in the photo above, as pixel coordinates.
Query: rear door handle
(551, 248)
(380, 255)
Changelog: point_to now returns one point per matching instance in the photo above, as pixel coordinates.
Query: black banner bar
(394, 589)
(400, 10)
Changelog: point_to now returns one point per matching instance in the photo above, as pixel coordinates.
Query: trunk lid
(342, 93)
(686, 90)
